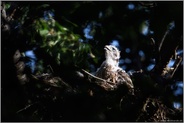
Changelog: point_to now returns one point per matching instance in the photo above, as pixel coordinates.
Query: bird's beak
(106, 47)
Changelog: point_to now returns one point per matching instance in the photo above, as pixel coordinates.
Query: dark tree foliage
(50, 50)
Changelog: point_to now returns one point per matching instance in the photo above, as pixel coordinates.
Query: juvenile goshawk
(110, 70)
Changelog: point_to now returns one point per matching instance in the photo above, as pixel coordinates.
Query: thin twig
(153, 41)
(97, 77)
(176, 64)
(160, 46)
(28, 106)
(51, 68)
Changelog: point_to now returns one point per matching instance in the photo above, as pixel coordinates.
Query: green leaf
(44, 32)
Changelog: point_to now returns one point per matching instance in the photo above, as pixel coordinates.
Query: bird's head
(112, 54)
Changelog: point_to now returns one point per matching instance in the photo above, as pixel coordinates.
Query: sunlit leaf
(7, 6)
(44, 32)
(43, 6)
(61, 28)
(51, 43)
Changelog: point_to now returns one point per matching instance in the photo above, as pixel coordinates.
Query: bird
(110, 70)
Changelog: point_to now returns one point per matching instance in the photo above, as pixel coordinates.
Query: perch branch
(160, 45)
(97, 77)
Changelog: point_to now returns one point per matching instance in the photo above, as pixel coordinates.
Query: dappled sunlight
(131, 6)
(144, 27)
(115, 43)
(31, 60)
(150, 67)
(87, 32)
(127, 50)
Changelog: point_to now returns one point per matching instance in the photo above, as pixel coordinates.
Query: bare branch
(97, 77)
(176, 64)
(161, 43)
(25, 108)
